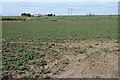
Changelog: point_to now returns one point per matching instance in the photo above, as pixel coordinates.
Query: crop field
(60, 46)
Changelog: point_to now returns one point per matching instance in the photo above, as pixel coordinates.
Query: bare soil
(80, 59)
(99, 61)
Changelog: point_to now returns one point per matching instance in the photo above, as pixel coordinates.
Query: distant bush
(51, 14)
(26, 14)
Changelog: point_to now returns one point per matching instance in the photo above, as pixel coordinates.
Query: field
(61, 46)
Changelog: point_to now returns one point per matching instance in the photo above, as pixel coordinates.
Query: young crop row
(38, 48)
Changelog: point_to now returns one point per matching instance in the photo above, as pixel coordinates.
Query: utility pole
(69, 13)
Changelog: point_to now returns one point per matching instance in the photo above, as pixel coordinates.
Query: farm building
(39, 15)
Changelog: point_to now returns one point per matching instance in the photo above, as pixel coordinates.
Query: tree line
(29, 15)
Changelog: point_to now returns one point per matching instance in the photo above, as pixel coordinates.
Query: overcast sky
(60, 0)
(59, 8)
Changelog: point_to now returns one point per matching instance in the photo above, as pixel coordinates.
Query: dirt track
(100, 60)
